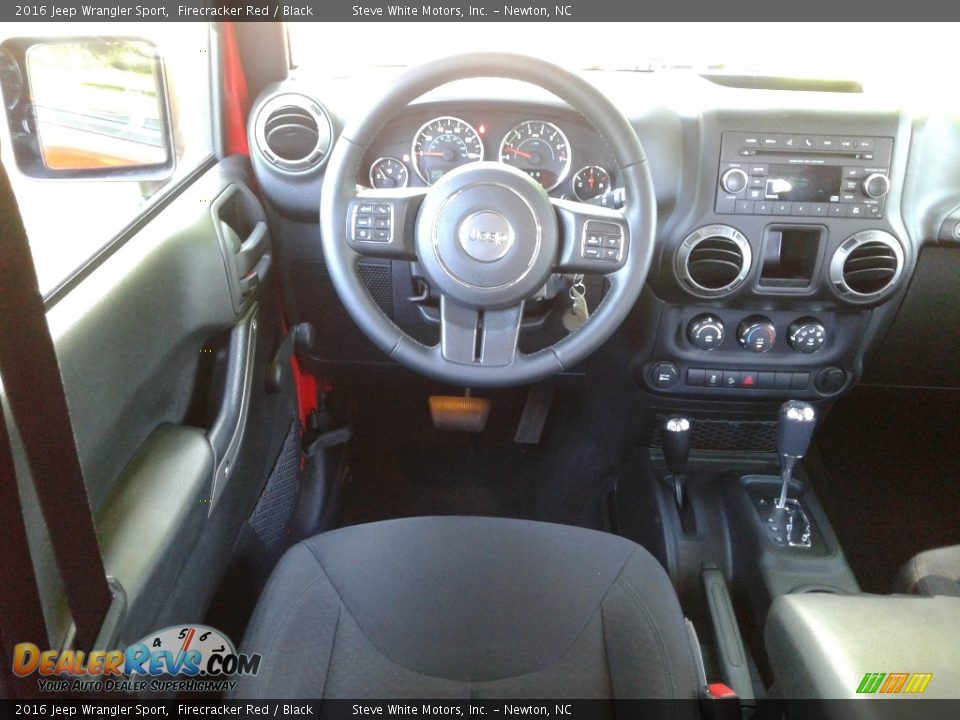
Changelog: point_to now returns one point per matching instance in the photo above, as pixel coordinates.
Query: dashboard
(556, 149)
(791, 225)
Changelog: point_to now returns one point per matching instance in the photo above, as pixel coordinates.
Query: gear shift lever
(794, 432)
(675, 439)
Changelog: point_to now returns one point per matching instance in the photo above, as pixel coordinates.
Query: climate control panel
(756, 333)
(738, 352)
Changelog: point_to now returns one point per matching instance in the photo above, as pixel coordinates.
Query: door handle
(252, 249)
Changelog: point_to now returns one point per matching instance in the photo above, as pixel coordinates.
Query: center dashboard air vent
(713, 261)
(866, 266)
(293, 132)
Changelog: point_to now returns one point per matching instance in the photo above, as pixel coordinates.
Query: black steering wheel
(487, 236)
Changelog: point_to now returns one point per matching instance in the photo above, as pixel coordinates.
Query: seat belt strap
(34, 390)
(21, 615)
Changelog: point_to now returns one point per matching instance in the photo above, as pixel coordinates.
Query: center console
(769, 282)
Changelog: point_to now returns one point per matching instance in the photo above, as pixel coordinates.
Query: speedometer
(540, 149)
(443, 144)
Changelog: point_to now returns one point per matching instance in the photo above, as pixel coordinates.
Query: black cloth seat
(932, 572)
(469, 607)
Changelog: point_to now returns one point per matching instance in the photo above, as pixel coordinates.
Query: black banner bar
(856, 11)
(550, 709)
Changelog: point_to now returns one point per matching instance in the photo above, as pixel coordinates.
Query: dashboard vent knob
(713, 261)
(866, 266)
(293, 132)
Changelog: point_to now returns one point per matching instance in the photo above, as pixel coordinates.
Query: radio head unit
(803, 175)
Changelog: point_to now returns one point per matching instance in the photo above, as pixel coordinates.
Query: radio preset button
(855, 211)
(744, 207)
(763, 207)
(819, 209)
(837, 210)
(726, 205)
(782, 208)
(800, 209)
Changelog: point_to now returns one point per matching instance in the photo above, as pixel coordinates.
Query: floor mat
(400, 466)
(890, 459)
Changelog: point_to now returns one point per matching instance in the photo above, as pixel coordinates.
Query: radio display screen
(804, 183)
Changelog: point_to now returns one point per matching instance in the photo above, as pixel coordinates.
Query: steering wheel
(487, 236)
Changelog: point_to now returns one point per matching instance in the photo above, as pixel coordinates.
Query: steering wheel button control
(372, 222)
(601, 241)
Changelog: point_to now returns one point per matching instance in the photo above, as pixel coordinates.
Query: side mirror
(87, 108)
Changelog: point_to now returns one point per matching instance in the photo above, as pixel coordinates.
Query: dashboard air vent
(293, 132)
(713, 260)
(866, 265)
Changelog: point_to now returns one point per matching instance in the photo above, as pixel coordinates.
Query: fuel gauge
(590, 182)
(388, 172)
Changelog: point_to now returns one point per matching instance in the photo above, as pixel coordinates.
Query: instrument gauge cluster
(546, 150)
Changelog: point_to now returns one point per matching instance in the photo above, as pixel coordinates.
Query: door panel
(151, 344)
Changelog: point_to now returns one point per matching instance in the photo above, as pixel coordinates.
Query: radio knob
(807, 335)
(876, 185)
(757, 334)
(705, 332)
(733, 181)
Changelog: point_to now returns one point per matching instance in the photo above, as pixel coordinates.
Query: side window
(98, 127)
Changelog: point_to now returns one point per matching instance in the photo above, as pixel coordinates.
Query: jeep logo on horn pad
(486, 236)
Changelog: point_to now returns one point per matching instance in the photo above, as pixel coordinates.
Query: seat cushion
(933, 572)
(460, 607)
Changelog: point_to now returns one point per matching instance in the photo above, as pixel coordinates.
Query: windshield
(799, 50)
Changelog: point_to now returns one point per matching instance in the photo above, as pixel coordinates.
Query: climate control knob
(757, 334)
(733, 181)
(876, 185)
(705, 332)
(807, 335)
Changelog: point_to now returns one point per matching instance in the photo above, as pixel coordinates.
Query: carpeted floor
(401, 466)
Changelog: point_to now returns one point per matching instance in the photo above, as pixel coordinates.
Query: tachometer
(388, 172)
(590, 182)
(443, 144)
(540, 149)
